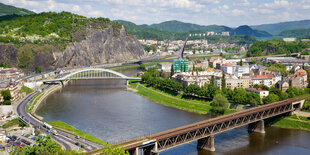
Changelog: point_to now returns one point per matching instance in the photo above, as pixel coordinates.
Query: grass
(72, 130)
(12, 122)
(190, 105)
(292, 122)
(124, 67)
(25, 89)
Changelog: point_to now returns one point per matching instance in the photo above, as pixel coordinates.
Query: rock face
(8, 54)
(100, 46)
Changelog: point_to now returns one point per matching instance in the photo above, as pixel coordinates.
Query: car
(82, 146)
(23, 140)
(77, 137)
(77, 143)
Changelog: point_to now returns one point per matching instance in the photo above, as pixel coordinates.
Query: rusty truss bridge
(204, 131)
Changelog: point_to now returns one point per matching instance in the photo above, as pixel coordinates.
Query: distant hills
(304, 33)
(10, 10)
(277, 28)
(179, 30)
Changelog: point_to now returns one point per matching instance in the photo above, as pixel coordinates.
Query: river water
(108, 111)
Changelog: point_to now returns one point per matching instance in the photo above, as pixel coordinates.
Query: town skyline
(201, 12)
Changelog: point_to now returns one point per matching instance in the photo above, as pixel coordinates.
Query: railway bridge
(91, 74)
(204, 131)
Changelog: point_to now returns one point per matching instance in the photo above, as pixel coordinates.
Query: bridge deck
(180, 134)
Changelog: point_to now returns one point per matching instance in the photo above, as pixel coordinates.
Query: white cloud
(96, 13)
(76, 8)
(236, 12)
(241, 3)
(277, 4)
(262, 10)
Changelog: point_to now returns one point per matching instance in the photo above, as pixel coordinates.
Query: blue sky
(204, 12)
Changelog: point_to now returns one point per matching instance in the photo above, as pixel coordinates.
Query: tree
(223, 82)
(6, 94)
(44, 146)
(219, 103)
(181, 68)
(240, 96)
(38, 69)
(271, 98)
(184, 68)
(142, 67)
(25, 59)
(241, 62)
(112, 150)
(172, 70)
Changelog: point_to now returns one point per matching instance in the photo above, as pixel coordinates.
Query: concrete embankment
(47, 92)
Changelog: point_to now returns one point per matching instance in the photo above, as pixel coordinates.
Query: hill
(144, 31)
(177, 26)
(246, 30)
(277, 28)
(298, 33)
(53, 40)
(176, 30)
(10, 10)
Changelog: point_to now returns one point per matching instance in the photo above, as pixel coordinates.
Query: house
(267, 80)
(232, 83)
(283, 85)
(262, 93)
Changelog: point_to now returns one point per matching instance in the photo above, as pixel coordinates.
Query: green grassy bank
(72, 130)
(175, 101)
(293, 122)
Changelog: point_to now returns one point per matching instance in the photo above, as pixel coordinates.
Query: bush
(219, 104)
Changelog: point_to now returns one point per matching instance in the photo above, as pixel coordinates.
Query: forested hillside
(10, 10)
(277, 28)
(298, 33)
(276, 46)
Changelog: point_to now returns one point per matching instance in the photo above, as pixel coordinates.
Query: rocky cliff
(100, 46)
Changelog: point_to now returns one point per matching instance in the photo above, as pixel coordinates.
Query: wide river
(108, 111)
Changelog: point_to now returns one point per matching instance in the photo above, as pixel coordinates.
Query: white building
(165, 66)
(262, 93)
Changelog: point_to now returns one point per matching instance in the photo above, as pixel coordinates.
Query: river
(108, 111)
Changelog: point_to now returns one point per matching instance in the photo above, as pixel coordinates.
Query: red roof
(263, 76)
(300, 72)
(228, 64)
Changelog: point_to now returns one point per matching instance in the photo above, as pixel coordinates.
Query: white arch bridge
(91, 74)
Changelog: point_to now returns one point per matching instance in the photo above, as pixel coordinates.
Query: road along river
(108, 111)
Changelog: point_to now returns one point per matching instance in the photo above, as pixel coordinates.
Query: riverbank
(174, 101)
(293, 122)
(74, 131)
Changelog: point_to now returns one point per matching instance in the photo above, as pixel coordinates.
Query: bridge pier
(206, 143)
(258, 126)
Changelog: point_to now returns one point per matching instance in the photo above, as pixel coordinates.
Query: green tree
(25, 59)
(241, 62)
(38, 69)
(223, 82)
(219, 103)
(240, 96)
(271, 98)
(142, 67)
(172, 70)
(44, 146)
(112, 150)
(6, 94)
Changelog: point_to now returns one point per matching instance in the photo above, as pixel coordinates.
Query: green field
(171, 101)
(72, 130)
(293, 122)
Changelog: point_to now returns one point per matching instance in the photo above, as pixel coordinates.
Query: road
(65, 139)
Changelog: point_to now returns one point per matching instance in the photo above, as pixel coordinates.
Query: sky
(203, 12)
